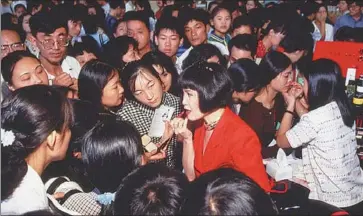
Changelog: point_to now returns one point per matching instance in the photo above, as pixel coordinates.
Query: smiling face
(191, 105)
(27, 72)
(196, 32)
(165, 76)
(112, 93)
(148, 89)
(168, 42)
(222, 21)
(281, 81)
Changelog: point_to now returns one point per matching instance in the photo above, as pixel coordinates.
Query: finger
(185, 123)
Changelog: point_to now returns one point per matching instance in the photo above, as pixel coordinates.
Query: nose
(56, 45)
(121, 89)
(149, 95)
(168, 42)
(193, 32)
(184, 101)
(37, 80)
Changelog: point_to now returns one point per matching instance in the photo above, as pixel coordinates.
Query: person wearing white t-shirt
(323, 30)
(327, 135)
(51, 38)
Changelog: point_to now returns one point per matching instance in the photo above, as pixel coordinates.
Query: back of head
(28, 116)
(227, 192)
(245, 75)
(202, 53)
(345, 33)
(153, 189)
(110, 151)
(272, 64)
(212, 83)
(244, 42)
(243, 20)
(116, 48)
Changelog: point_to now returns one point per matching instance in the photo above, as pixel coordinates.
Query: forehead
(9, 37)
(57, 32)
(135, 24)
(223, 12)
(193, 23)
(168, 32)
(26, 64)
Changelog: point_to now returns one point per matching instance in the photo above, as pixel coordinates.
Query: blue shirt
(347, 20)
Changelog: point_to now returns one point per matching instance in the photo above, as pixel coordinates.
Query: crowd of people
(110, 108)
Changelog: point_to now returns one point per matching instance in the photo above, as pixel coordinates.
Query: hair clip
(106, 198)
(7, 137)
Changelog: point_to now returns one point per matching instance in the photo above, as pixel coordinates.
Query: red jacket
(233, 144)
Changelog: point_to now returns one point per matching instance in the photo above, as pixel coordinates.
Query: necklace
(211, 125)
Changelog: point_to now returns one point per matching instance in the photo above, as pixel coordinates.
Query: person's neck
(53, 69)
(266, 43)
(219, 34)
(357, 17)
(214, 116)
(267, 97)
(144, 51)
(38, 160)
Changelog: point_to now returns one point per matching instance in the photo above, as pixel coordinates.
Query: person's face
(196, 32)
(169, 2)
(241, 30)
(321, 14)
(276, 38)
(250, 5)
(20, 11)
(281, 81)
(148, 89)
(238, 54)
(165, 76)
(120, 12)
(354, 10)
(52, 47)
(191, 105)
(244, 97)
(92, 11)
(137, 30)
(25, 24)
(159, 3)
(74, 28)
(131, 55)
(10, 42)
(85, 57)
(112, 93)
(121, 30)
(343, 6)
(168, 42)
(222, 21)
(28, 72)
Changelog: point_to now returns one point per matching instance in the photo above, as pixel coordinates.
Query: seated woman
(224, 140)
(327, 135)
(35, 131)
(166, 70)
(207, 195)
(264, 112)
(246, 82)
(148, 107)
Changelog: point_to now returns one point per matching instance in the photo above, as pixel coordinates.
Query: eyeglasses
(14, 47)
(49, 43)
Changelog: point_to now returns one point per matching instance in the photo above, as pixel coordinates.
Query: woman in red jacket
(222, 139)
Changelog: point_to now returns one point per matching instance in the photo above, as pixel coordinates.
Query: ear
(207, 28)
(156, 41)
(211, 22)
(181, 42)
(52, 139)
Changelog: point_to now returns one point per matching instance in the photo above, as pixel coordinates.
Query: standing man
(352, 19)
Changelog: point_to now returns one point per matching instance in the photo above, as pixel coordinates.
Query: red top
(233, 144)
(261, 50)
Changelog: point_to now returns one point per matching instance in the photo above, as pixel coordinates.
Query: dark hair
(357, 2)
(147, 7)
(92, 80)
(9, 62)
(243, 20)
(153, 189)
(203, 52)
(46, 22)
(272, 64)
(244, 42)
(278, 25)
(31, 114)
(138, 16)
(118, 22)
(199, 15)
(110, 151)
(345, 33)
(212, 83)
(79, 48)
(309, 8)
(219, 8)
(159, 58)
(227, 192)
(115, 4)
(245, 75)
(297, 41)
(67, 12)
(211, 4)
(116, 48)
(20, 22)
(327, 85)
(170, 23)
(131, 72)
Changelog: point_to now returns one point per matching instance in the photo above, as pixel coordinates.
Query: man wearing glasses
(352, 19)
(51, 37)
(10, 42)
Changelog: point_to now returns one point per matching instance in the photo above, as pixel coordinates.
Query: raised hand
(63, 79)
(181, 130)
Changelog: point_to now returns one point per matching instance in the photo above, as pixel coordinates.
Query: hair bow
(7, 137)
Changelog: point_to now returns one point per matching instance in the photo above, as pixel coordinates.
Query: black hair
(92, 80)
(326, 85)
(110, 151)
(153, 189)
(138, 16)
(211, 4)
(212, 83)
(46, 22)
(21, 19)
(79, 48)
(245, 75)
(67, 12)
(159, 58)
(357, 2)
(203, 52)
(147, 7)
(31, 114)
(169, 23)
(19, 6)
(227, 192)
(34, 4)
(244, 42)
(130, 74)
(116, 48)
(116, 3)
(219, 8)
(9, 62)
(278, 25)
(114, 27)
(345, 33)
(93, 22)
(199, 15)
(297, 41)
(272, 64)
(309, 8)
(243, 20)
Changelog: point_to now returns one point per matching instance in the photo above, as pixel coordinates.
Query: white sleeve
(302, 133)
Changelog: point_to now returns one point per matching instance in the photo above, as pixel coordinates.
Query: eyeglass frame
(54, 41)
(10, 46)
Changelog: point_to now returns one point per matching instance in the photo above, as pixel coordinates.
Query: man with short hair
(354, 18)
(242, 46)
(10, 42)
(139, 29)
(50, 36)
(242, 25)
